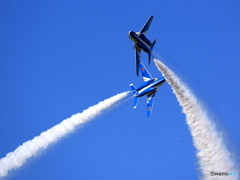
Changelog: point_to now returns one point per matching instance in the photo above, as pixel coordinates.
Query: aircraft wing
(145, 74)
(146, 25)
(137, 58)
(150, 100)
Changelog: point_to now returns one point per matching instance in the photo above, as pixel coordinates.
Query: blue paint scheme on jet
(141, 42)
(149, 88)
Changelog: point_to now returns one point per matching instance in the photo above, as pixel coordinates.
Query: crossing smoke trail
(212, 153)
(18, 157)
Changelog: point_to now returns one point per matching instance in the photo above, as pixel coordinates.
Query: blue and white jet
(149, 88)
(140, 42)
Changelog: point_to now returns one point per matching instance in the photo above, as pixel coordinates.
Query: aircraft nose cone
(130, 33)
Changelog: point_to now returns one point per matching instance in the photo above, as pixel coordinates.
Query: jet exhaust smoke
(211, 151)
(30, 148)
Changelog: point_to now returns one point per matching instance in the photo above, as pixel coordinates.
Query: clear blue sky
(57, 58)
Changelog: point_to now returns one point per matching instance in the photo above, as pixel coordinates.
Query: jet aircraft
(149, 88)
(140, 42)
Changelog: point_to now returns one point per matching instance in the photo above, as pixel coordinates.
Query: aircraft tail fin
(150, 54)
(133, 88)
(135, 98)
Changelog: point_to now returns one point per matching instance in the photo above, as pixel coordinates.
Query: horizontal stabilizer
(153, 43)
(135, 102)
(150, 54)
(137, 59)
(149, 58)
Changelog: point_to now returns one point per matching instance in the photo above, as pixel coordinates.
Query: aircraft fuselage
(140, 41)
(149, 87)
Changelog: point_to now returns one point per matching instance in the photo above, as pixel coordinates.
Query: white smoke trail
(212, 153)
(30, 148)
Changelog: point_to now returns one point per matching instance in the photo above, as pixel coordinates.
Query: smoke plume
(211, 151)
(30, 148)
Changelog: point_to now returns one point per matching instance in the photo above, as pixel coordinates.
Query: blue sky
(57, 58)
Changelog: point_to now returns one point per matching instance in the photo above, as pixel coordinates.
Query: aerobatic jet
(140, 42)
(149, 88)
